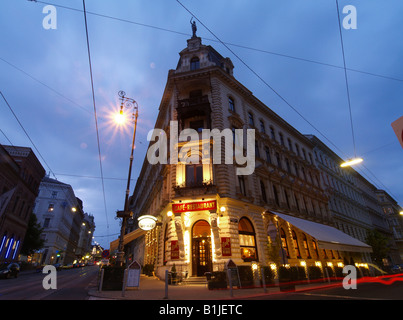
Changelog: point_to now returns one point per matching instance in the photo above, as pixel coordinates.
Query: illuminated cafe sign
(194, 206)
(147, 222)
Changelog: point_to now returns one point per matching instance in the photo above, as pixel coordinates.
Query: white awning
(127, 238)
(327, 237)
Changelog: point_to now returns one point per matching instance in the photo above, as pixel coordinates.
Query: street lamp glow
(120, 118)
(351, 162)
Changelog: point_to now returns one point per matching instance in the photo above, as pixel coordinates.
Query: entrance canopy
(327, 237)
(127, 238)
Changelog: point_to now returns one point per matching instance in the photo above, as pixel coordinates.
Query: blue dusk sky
(293, 46)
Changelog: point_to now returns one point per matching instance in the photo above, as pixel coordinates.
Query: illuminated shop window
(296, 246)
(247, 240)
(305, 241)
(284, 242)
(315, 247)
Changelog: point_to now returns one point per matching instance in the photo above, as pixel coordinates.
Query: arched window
(195, 63)
(295, 240)
(284, 242)
(305, 240)
(315, 247)
(247, 240)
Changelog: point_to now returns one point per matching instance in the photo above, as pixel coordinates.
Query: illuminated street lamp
(125, 214)
(351, 162)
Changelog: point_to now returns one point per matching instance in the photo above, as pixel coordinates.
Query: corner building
(207, 214)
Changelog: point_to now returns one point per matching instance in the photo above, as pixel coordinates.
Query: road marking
(337, 296)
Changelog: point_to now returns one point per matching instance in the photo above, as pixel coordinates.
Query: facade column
(216, 234)
(179, 233)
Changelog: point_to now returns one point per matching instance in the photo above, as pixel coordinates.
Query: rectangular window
(241, 181)
(46, 223)
(262, 128)
(268, 157)
(231, 104)
(51, 207)
(250, 119)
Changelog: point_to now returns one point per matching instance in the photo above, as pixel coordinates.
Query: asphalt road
(71, 284)
(387, 289)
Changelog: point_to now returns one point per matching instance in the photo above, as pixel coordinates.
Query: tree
(379, 244)
(32, 240)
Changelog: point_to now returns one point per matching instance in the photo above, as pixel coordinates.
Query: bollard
(166, 284)
(101, 280)
(230, 282)
(264, 282)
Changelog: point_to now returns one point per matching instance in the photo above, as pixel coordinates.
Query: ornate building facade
(207, 212)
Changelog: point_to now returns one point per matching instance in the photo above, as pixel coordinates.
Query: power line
(345, 77)
(95, 113)
(257, 75)
(33, 144)
(45, 85)
(26, 133)
(246, 65)
(227, 43)
(90, 177)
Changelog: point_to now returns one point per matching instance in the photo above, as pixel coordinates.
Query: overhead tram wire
(346, 78)
(261, 79)
(282, 98)
(95, 113)
(45, 85)
(33, 144)
(227, 43)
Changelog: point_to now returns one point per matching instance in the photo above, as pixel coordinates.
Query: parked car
(397, 269)
(58, 266)
(8, 270)
(68, 266)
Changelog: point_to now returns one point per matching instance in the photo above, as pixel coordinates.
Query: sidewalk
(154, 289)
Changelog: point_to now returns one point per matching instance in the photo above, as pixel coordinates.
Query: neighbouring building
(20, 175)
(394, 216)
(60, 214)
(87, 229)
(207, 212)
(354, 203)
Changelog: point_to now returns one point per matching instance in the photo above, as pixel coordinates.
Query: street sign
(105, 254)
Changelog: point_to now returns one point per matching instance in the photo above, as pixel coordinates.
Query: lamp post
(125, 214)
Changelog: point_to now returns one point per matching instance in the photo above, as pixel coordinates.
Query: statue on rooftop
(194, 28)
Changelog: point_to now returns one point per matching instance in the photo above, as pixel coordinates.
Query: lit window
(284, 242)
(194, 175)
(305, 241)
(247, 240)
(51, 207)
(296, 246)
